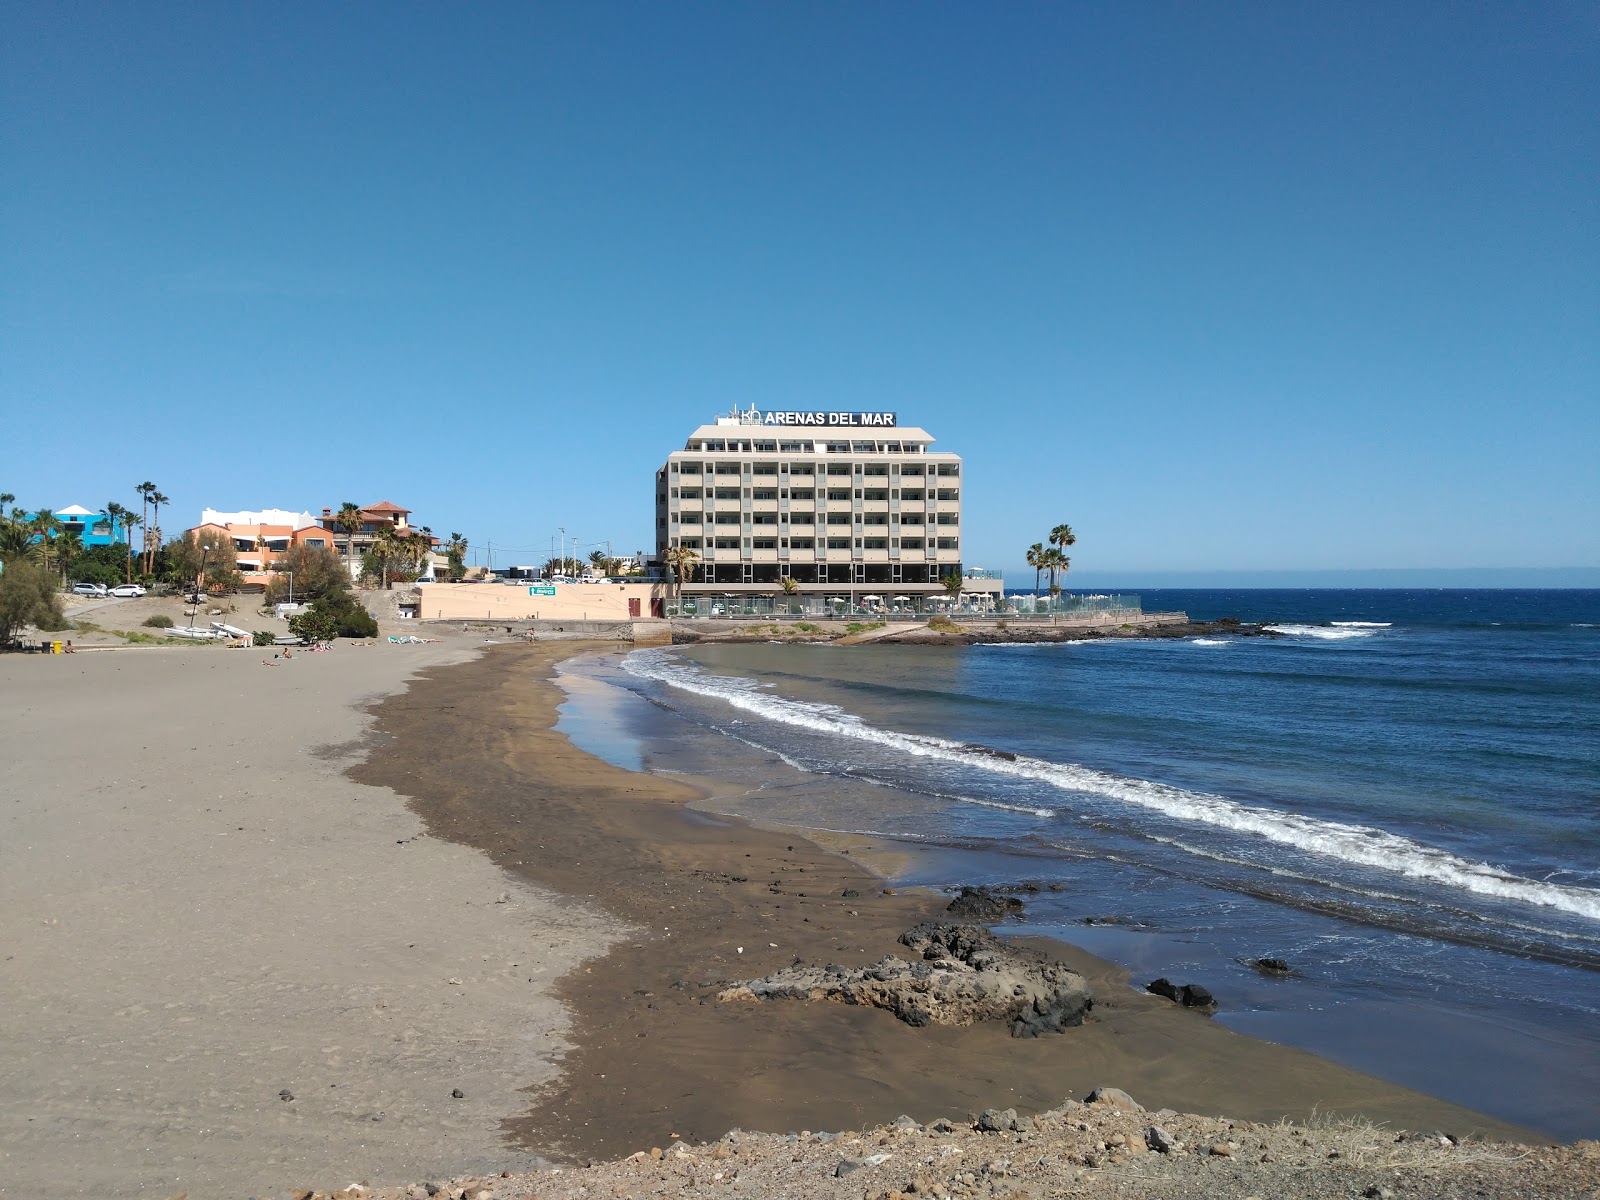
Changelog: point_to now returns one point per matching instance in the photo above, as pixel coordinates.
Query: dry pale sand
(199, 911)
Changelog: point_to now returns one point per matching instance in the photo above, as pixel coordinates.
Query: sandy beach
(263, 922)
(201, 914)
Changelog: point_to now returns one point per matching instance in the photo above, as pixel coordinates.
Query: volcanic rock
(963, 974)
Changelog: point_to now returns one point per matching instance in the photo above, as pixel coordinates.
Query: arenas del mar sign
(841, 420)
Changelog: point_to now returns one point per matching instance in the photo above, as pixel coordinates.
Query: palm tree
(145, 490)
(16, 541)
(131, 521)
(68, 547)
(386, 550)
(1051, 560)
(118, 515)
(415, 548)
(683, 560)
(348, 518)
(1036, 561)
(953, 585)
(1061, 537)
(153, 534)
(45, 526)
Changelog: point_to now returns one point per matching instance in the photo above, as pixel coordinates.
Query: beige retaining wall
(505, 602)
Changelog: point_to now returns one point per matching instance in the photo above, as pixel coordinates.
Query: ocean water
(1400, 796)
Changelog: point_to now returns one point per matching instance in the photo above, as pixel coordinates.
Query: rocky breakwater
(961, 975)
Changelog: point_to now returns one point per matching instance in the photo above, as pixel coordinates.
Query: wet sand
(655, 1056)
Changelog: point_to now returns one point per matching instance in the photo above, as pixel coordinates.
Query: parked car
(127, 590)
(88, 589)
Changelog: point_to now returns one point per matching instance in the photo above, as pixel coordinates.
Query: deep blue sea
(1400, 795)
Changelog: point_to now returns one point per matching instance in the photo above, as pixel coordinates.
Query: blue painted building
(95, 528)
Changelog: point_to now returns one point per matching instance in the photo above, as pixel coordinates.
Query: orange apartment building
(261, 536)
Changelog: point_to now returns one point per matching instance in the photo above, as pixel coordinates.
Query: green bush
(262, 637)
(28, 596)
(336, 614)
(942, 624)
(159, 621)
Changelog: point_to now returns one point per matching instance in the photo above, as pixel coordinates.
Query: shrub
(336, 614)
(28, 596)
(159, 621)
(262, 637)
(943, 624)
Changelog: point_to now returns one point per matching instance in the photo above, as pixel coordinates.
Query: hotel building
(845, 504)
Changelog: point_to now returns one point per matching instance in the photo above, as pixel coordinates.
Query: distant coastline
(1507, 578)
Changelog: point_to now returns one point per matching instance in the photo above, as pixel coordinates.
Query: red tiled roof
(385, 506)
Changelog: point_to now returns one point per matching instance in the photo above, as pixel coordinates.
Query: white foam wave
(1360, 845)
(1361, 624)
(1319, 631)
(1210, 642)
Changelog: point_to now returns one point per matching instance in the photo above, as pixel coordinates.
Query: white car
(127, 590)
(88, 589)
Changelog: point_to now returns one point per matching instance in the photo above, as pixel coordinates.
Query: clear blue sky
(1228, 287)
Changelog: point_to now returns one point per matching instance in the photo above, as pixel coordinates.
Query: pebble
(286, 1094)
(457, 1093)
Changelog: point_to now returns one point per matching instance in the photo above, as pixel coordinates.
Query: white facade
(265, 516)
(842, 503)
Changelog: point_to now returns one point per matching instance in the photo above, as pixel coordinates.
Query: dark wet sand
(473, 746)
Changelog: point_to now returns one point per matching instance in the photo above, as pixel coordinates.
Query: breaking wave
(1321, 631)
(1358, 845)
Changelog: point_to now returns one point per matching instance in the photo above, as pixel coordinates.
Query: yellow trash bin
(55, 647)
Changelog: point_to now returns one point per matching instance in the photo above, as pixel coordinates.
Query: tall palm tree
(1036, 561)
(117, 515)
(131, 521)
(152, 537)
(145, 490)
(348, 518)
(683, 560)
(1061, 537)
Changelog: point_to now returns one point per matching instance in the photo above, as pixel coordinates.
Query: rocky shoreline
(1107, 1145)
